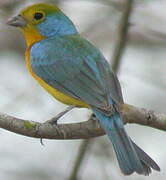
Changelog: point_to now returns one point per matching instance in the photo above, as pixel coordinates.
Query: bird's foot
(93, 116)
(54, 120)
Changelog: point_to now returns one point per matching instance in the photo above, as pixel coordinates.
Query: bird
(76, 73)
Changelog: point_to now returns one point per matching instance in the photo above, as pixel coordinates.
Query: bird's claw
(54, 120)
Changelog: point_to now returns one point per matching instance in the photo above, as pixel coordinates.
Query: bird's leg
(55, 119)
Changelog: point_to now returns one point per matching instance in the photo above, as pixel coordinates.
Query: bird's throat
(31, 36)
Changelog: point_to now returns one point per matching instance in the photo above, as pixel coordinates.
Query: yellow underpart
(54, 92)
(31, 35)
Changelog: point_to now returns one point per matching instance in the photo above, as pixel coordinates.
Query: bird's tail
(130, 157)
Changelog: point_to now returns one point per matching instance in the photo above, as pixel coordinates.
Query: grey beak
(17, 21)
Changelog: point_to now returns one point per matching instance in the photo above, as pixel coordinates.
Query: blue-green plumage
(76, 73)
(57, 24)
(75, 67)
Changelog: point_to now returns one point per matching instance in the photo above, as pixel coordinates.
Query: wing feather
(76, 68)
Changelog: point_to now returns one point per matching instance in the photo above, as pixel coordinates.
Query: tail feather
(130, 157)
(149, 163)
(125, 152)
(127, 158)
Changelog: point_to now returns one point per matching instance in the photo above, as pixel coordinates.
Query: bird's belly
(54, 92)
(60, 96)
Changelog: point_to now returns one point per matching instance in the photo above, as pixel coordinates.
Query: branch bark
(81, 130)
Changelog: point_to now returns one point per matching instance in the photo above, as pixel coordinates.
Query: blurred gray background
(142, 76)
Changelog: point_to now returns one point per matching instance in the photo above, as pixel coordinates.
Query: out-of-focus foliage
(142, 76)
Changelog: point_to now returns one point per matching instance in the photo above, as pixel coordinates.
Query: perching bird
(76, 73)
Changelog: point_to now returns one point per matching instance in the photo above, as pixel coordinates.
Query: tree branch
(81, 130)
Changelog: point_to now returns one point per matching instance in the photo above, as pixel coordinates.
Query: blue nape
(56, 24)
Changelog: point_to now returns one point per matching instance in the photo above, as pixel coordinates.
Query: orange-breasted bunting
(76, 73)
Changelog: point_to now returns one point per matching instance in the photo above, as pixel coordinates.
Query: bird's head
(40, 21)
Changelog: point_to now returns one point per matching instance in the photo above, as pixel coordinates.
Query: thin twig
(122, 35)
(80, 156)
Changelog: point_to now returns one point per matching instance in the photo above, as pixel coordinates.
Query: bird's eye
(38, 16)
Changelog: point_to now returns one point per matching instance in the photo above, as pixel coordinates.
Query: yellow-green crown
(47, 8)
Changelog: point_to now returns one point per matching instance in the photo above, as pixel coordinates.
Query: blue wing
(75, 67)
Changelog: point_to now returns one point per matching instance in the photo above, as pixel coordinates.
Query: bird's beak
(17, 21)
